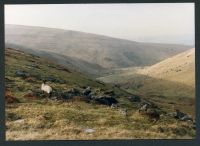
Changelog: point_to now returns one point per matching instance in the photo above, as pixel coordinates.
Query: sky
(160, 23)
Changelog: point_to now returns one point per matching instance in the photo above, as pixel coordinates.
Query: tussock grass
(51, 120)
(42, 119)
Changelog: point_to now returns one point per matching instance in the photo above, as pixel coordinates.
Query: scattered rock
(37, 93)
(109, 92)
(194, 124)
(74, 91)
(153, 114)
(19, 121)
(186, 118)
(114, 105)
(34, 65)
(72, 94)
(149, 104)
(143, 108)
(22, 74)
(91, 96)
(87, 91)
(135, 98)
(65, 96)
(147, 110)
(106, 100)
(181, 116)
(89, 130)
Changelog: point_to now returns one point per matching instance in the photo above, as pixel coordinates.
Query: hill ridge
(105, 51)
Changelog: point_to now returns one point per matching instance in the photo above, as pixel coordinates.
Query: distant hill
(179, 68)
(97, 51)
(73, 63)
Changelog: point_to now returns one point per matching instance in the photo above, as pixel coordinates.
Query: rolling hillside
(75, 64)
(158, 75)
(31, 116)
(171, 80)
(93, 51)
(179, 68)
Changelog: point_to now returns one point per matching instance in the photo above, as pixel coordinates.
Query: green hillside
(30, 115)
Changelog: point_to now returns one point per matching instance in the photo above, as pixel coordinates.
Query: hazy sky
(167, 23)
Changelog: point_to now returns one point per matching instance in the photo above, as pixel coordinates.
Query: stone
(74, 91)
(87, 91)
(89, 130)
(106, 100)
(22, 74)
(135, 98)
(182, 116)
(34, 65)
(109, 92)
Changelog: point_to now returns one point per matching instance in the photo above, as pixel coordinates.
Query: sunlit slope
(171, 78)
(179, 68)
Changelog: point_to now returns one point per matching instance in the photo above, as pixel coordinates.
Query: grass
(42, 119)
(165, 93)
(52, 120)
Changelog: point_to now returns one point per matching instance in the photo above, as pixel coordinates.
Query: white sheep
(46, 88)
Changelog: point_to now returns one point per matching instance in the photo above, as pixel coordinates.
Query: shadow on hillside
(166, 93)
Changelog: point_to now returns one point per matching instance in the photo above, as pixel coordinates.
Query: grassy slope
(17, 60)
(170, 82)
(38, 119)
(179, 68)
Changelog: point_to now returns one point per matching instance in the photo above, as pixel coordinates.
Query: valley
(100, 87)
(71, 115)
(91, 54)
